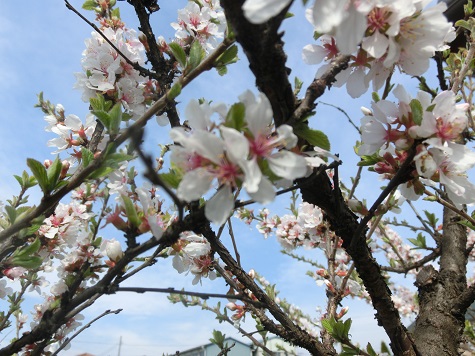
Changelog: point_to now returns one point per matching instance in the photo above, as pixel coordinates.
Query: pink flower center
(445, 130)
(227, 173)
(377, 19)
(260, 146)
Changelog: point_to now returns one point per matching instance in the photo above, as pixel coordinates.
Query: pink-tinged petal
(220, 206)
(237, 146)
(259, 11)
(288, 165)
(266, 192)
(194, 184)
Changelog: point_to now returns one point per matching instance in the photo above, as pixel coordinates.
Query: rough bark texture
(440, 323)
(263, 47)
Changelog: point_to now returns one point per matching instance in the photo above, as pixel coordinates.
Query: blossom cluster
(378, 34)
(203, 21)
(105, 71)
(249, 153)
(435, 127)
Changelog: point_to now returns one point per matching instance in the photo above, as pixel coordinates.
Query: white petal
(259, 11)
(194, 184)
(288, 165)
(252, 175)
(265, 194)
(220, 206)
(376, 45)
(313, 54)
(237, 146)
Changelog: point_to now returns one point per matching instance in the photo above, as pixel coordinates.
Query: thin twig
(450, 206)
(69, 339)
(172, 290)
(344, 113)
(467, 64)
(231, 233)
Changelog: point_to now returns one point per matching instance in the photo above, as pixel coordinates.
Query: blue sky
(41, 45)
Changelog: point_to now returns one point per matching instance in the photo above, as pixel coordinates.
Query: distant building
(278, 346)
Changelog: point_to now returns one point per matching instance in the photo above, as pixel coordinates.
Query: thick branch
(440, 323)
(263, 47)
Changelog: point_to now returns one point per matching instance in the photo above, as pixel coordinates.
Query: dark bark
(263, 46)
(440, 322)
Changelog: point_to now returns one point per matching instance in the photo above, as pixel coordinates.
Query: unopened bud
(366, 111)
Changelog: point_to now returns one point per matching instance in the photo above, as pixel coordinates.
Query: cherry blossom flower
(234, 159)
(192, 254)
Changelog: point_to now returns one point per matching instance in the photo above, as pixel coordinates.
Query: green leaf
(98, 103)
(297, 86)
(384, 348)
(218, 338)
(103, 117)
(29, 249)
(369, 160)
(416, 109)
(130, 211)
(196, 55)
(39, 172)
(115, 115)
(31, 262)
(115, 12)
(101, 172)
(370, 350)
(328, 325)
(229, 56)
(375, 96)
(235, 116)
(87, 156)
(222, 70)
(313, 137)
(431, 218)
(467, 224)
(88, 5)
(174, 91)
(53, 173)
(178, 53)
(171, 179)
(11, 213)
